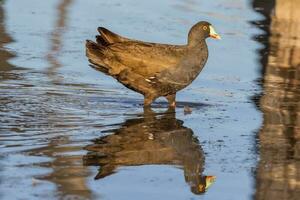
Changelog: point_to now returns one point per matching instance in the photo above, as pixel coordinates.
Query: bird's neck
(195, 38)
(196, 43)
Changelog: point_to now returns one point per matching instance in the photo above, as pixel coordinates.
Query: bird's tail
(96, 57)
(107, 37)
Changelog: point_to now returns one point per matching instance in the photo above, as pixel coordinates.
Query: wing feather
(146, 59)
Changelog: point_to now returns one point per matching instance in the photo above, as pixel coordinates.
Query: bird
(151, 69)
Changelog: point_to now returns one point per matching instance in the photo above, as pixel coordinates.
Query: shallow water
(69, 132)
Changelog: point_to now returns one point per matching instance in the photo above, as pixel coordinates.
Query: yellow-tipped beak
(210, 180)
(213, 34)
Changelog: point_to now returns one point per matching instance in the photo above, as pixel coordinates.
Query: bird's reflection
(153, 139)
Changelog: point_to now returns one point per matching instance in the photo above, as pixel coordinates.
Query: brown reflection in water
(4, 39)
(56, 40)
(153, 139)
(68, 174)
(5, 66)
(278, 173)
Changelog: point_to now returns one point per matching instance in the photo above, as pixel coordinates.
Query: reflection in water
(68, 173)
(4, 39)
(56, 39)
(70, 181)
(152, 140)
(5, 66)
(278, 173)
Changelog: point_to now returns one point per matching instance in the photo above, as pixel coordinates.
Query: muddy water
(69, 132)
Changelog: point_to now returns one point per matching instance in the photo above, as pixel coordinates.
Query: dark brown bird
(151, 69)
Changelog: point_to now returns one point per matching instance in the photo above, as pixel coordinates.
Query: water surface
(69, 132)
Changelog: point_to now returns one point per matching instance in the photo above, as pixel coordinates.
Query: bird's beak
(209, 181)
(213, 34)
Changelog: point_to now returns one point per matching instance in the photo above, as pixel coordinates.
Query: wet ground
(69, 132)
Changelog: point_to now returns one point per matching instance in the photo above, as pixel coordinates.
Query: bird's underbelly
(173, 81)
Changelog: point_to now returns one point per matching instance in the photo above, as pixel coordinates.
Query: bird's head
(201, 31)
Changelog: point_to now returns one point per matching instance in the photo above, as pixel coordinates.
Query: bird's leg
(148, 100)
(171, 99)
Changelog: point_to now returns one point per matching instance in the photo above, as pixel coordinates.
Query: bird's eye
(205, 28)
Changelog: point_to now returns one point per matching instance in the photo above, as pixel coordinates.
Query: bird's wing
(138, 66)
(146, 59)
